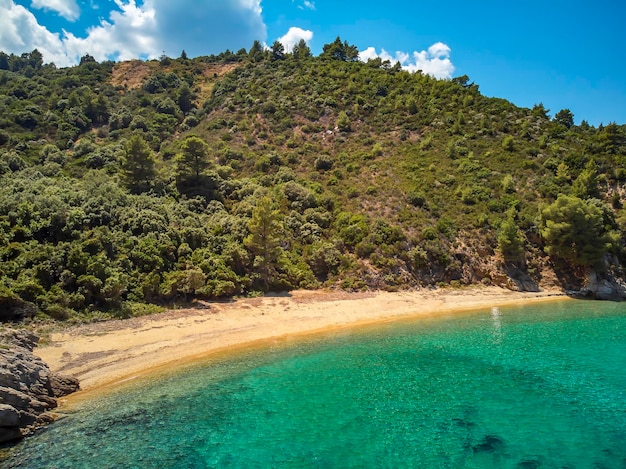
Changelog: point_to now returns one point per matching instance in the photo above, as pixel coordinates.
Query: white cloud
(150, 28)
(20, 32)
(293, 36)
(435, 61)
(369, 54)
(136, 29)
(129, 33)
(68, 9)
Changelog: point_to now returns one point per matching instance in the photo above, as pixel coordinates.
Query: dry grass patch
(131, 74)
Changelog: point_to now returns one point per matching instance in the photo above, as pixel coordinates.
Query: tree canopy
(564, 117)
(193, 160)
(510, 240)
(301, 50)
(138, 165)
(575, 231)
(338, 50)
(128, 186)
(264, 241)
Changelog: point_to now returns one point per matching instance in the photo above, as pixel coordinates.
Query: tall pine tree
(264, 240)
(138, 165)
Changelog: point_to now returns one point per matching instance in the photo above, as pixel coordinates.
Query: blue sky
(563, 54)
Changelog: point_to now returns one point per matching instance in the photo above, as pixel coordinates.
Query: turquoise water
(540, 386)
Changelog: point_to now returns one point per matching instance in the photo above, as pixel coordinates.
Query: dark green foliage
(299, 197)
(564, 117)
(263, 241)
(352, 228)
(138, 165)
(121, 119)
(166, 106)
(278, 51)
(417, 198)
(510, 240)
(161, 81)
(338, 50)
(185, 99)
(324, 259)
(540, 111)
(365, 176)
(586, 184)
(575, 230)
(192, 161)
(343, 122)
(301, 50)
(324, 163)
(256, 53)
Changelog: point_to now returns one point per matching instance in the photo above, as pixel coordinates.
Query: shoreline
(103, 355)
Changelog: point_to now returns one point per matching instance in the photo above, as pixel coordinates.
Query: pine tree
(185, 98)
(564, 117)
(338, 50)
(574, 230)
(256, 53)
(301, 50)
(343, 122)
(193, 160)
(264, 241)
(137, 165)
(278, 51)
(586, 184)
(510, 240)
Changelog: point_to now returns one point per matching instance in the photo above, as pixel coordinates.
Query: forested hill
(128, 185)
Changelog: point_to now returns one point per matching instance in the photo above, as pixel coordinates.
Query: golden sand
(103, 354)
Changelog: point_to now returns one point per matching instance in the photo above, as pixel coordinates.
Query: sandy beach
(103, 354)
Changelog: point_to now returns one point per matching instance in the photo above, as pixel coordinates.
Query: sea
(530, 386)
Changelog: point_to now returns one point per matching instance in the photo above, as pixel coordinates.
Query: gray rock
(63, 385)
(603, 288)
(9, 417)
(22, 339)
(9, 434)
(14, 398)
(28, 388)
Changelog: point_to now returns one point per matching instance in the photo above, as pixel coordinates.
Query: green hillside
(128, 186)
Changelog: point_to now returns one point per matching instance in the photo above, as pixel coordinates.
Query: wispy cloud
(68, 9)
(305, 4)
(293, 36)
(435, 61)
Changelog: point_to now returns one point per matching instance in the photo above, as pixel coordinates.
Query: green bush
(324, 163)
(417, 198)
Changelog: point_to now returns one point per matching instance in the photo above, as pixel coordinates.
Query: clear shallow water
(540, 386)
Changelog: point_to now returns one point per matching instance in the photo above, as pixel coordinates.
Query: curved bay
(538, 386)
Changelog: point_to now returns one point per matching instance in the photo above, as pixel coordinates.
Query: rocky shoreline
(28, 388)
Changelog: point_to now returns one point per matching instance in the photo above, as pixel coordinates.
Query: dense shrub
(376, 178)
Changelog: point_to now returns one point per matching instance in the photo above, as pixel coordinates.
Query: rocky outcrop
(603, 288)
(28, 388)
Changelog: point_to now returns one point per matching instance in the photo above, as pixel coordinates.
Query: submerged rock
(489, 444)
(28, 388)
(530, 464)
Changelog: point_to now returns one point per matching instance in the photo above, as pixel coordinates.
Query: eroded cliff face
(28, 388)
